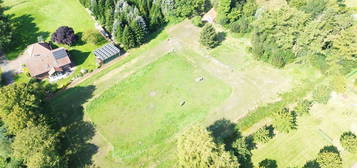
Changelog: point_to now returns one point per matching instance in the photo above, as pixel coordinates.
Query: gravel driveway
(10, 68)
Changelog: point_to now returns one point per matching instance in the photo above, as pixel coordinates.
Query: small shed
(210, 16)
(106, 53)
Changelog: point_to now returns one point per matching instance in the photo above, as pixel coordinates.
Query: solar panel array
(59, 54)
(106, 52)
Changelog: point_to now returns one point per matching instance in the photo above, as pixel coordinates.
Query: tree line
(320, 32)
(130, 22)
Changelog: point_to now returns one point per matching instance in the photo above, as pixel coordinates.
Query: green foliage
(281, 36)
(275, 34)
(242, 150)
(264, 134)
(348, 141)
(297, 3)
(3, 162)
(268, 110)
(19, 106)
(268, 163)
(37, 147)
(5, 29)
(208, 37)
(197, 21)
(314, 7)
(187, 8)
(128, 38)
(94, 37)
(355, 83)
(85, 3)
(196, 149)
(329, 157)
(303, 107)
(284, 120)
(140, 16)
(237, 14)
(321, 94)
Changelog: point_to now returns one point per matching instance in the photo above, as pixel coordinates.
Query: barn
(106, 53)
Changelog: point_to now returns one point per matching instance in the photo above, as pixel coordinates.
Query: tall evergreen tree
(139, 33)
(208, 37)
(128, 38)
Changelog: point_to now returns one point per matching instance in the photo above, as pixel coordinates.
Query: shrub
(208, 36)
(64, 35)
(94, 37)
(329, 157)
(321, 94)
(241, 26)
(268, 163)
(284, 120)
(303, 107)
(197, 21)
(348, 141)
(264, 134)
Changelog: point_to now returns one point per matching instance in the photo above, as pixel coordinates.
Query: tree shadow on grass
(68, 115)
(79, 41)
(221, 36)
(268, 163)
(78, 57)
(25, 32)
(224, 131)
(311, 164)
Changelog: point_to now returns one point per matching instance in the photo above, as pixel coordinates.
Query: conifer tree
(128, 38)
(139, 33)
(208, 36)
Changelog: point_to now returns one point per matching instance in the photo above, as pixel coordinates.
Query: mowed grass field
(42, 17)
(141, 114)
(135, 104)
(323, 127)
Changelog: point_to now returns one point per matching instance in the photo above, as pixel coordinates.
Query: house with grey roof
(106, 53)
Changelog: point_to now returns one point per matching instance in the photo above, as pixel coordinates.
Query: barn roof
(106, 52)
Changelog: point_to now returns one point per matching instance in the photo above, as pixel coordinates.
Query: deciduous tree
(64, 35)
(348, 141)
(196, 149)
(37, 147)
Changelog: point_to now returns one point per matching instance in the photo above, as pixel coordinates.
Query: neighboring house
(210, 16)
(106, 53)
(42, 61)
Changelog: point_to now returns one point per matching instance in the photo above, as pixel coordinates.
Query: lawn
(141, 115)
(323, 127)
(42, 17)
(135, 104)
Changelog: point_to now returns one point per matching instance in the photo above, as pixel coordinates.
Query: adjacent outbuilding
(210, 16)
(106, 53)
